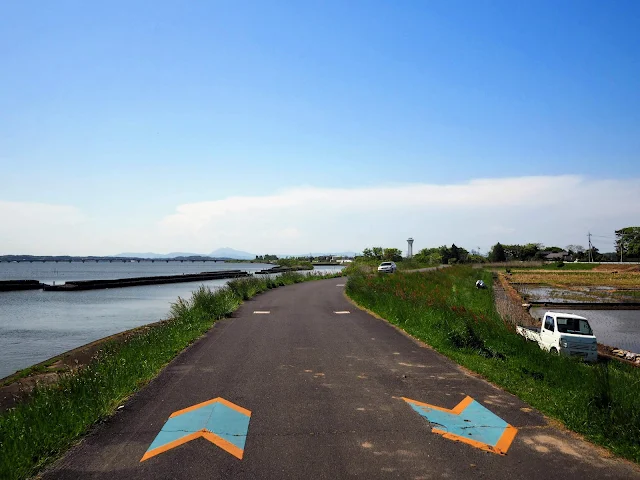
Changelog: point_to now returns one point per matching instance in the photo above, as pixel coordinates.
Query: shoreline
(15, 387)
(80, 285)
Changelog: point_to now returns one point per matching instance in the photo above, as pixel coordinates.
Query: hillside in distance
(218, 253)
(228, 252)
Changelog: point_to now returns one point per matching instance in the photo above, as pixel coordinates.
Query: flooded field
(609, 285)
(555, 294)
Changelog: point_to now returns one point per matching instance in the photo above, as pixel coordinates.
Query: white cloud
(475, 194)
(555, 210)
(550, 209)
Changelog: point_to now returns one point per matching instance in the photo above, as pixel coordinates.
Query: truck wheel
(554, 351)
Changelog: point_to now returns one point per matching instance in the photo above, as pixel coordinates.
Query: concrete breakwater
(139, 281)
(13, 285)
(277, 269)
(79, 285)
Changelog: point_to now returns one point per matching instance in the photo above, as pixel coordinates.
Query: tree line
(627, 248)
(431, 256)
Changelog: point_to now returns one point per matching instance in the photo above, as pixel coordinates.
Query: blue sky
(115, 116)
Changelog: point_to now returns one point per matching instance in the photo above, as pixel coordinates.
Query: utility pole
(620, 252)
(590, 252)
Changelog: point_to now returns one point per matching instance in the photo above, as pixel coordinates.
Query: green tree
(512, 252)
(429, 256)
(392, 254)
(461, 254)
(529, 251)
(628, 242)
(476, 258)
(445, 254)
(497, 253)
(367, 253)
(377, 253)
(577, 251)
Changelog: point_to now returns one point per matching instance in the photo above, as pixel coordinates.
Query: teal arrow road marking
(221, 422)
(468, 422)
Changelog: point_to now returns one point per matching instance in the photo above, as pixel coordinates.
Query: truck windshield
(577, 326)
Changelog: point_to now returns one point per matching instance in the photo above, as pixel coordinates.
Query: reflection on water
(541, 293)
(37, 325)
(616, 328)
(544, 293)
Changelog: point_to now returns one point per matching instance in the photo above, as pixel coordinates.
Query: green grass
(293, 263)
(413, 264)
(626, 293)
(26, 372)
(39, 430)
(445, 310)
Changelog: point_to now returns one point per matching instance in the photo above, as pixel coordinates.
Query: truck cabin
(570, 325)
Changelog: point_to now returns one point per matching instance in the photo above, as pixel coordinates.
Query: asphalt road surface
(325, 394)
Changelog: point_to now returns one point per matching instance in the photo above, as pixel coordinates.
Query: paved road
(324, 391)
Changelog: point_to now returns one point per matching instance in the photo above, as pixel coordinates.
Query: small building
(563, 256)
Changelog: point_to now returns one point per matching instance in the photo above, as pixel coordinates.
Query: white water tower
(410, 248)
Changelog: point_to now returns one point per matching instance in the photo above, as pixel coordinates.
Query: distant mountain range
(219, 253)
(158, 255)
(334, 254)
(225, 252)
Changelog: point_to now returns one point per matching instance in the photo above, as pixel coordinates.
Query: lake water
(616, 328)
(36, 325)
(50, 272)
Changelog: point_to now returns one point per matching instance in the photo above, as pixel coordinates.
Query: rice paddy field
(615, 326)
(568, 278)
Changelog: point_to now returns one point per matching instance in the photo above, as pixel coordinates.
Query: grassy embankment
(39, 430)
(445, 310)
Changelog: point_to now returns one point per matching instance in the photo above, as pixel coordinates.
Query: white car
(387, 267)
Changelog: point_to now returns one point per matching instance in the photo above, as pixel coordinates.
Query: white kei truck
(564, 333)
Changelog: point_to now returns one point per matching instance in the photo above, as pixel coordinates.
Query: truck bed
(530, 333)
